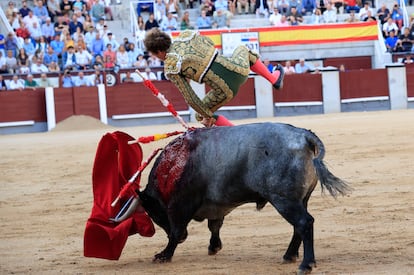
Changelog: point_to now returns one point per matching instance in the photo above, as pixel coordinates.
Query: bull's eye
(266, 153)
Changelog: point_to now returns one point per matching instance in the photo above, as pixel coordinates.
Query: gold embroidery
(238, 62)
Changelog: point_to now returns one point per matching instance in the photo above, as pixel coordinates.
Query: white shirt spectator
(16, 84)
(149, 75)
(29, 19)
(274, 18)
(110, 40)
(38, 68)
(35, 31)
(83, 58)
(329, 16)
(122, 59)
(363, 12)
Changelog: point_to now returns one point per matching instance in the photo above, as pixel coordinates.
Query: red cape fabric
(115, 163)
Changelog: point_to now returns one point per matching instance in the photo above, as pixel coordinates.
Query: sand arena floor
(46, 198)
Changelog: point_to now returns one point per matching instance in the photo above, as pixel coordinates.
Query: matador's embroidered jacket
(192, 56)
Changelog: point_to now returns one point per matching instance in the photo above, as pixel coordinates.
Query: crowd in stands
(71, 36)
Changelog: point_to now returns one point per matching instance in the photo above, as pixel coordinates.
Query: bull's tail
(328, 180)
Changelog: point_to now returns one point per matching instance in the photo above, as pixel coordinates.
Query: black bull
(208, 172)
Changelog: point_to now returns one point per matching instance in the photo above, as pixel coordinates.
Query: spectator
(283, 7)
(54, 9)
(79, 5)
(67, 81)
(88, 23)
(99, 26)
(128, 78)
(89, 36)
(122, 59)
(68, 40)
(29, 19)
(74, 24)
(35, 31)
(78, 36)
(81, 80)
(352, 18)
(126, 44)
(383, 13)
(30, 83)
(173, 7)
(408, 59)
(295, 16)
(160, 10)
(203, 21)
(10, 43)
(208, 7)
(243, 4)
(66, 7)
(3, 86)
(22, 58)
(148, 75)
(44, 81)
(405, 41)
(97, 47)
(397, 15)
(363, 13)
(41, 45)
(275, 17)
(24, 10)
(169, 23)
(98, 64)
(40, 11)
(151, 22)
(220, 20)
(109, 56)
(48, 30)
(69, 59)
(261, 8)
(370, 18)
(57, 45)
(97, 11)
(111, 40)
(185, 22)
(308, 6)
(388, 27)
(141, 62)
(330, 15)
(60, 25)
(140, 33)
(342, 68)
(301, 67)
(16, 83)
(83, 58)
(50, 56)
(317, 17)
(133, 53)
(11, 62)
(97, 78)
(283, 22)
(53, 67)
(289, 69)
(269, 65)
(3, 64)
(38, 67)
(153, 61)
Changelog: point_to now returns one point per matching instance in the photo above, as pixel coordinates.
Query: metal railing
(9, 29)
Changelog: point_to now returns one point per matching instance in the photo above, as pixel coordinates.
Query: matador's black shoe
(279, 82)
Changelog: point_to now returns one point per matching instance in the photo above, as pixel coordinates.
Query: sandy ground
(46, 198)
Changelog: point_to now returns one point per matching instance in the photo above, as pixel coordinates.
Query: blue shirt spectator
(57, 45)
(203, 21)
(50, 56)
(29, 47)
(74, 24)
(41, 11)
(97, 46)
(67, 80)
(48, 29)
(2, 41)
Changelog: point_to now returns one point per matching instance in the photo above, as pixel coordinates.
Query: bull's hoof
(161, 258)
(306, 269)
(213, 251)
(289, 260)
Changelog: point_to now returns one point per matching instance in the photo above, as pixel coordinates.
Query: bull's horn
(133, 204)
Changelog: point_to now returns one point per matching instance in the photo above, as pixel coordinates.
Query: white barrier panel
(50, 108)
(264, 97)
(102, 103)
(331, 92)
(397, 86)
(200, 91)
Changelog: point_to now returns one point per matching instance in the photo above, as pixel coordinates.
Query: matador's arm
(189, 95)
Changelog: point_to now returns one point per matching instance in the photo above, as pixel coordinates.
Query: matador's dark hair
(157, 41)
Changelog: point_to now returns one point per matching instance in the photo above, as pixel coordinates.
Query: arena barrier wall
(133, 104)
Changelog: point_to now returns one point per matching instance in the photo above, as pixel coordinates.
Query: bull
(208, 172)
